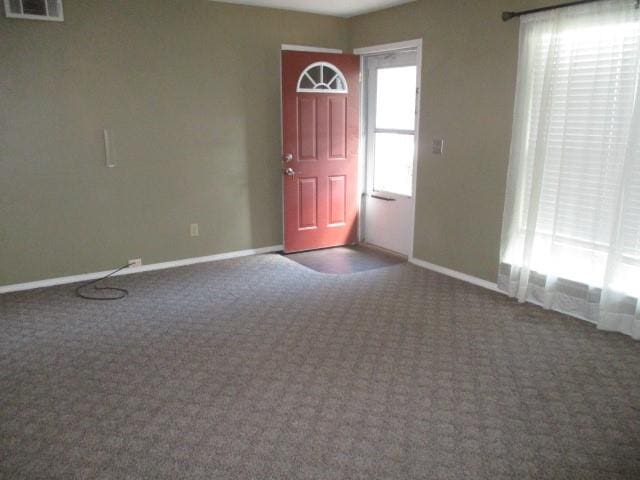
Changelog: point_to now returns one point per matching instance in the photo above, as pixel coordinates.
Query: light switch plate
(438, 146)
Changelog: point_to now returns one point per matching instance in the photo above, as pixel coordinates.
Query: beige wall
(190, 90)
(468, 81)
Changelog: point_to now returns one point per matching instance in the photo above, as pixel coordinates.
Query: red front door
(320, 113)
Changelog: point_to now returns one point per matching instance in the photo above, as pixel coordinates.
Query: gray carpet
(259, 368)
(350, 259)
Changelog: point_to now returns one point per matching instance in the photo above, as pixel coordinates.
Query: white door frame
(362, 175)
(305, 48)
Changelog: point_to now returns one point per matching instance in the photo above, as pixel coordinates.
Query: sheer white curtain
(571, 231)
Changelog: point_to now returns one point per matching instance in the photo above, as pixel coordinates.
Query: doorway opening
(390, 117)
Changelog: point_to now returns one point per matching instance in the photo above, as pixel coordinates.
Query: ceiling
(339, 8)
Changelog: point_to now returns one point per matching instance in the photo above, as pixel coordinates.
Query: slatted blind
(583, 84)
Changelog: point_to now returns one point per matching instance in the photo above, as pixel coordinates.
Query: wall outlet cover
(135, 262)
(194, 230)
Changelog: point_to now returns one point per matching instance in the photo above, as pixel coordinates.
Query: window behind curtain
(575, 167)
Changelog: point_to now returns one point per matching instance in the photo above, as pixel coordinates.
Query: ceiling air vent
(34, 9)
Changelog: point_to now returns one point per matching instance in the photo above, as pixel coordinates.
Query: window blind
(583, 85)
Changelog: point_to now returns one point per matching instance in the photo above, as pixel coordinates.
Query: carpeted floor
(259, 368)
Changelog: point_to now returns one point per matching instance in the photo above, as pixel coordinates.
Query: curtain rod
(509, 15)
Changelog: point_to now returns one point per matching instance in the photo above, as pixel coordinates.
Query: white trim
(377, 49)
(304, 48)
(385, 250)
(418, 44)
(34, 17)
(388, 47)
(455, 274)
(145, 268)
(362, 161)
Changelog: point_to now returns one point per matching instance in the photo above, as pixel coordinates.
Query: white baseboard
(455, 274)
(145, 268)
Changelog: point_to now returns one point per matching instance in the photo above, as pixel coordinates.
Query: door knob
(289, 171)
(287, 157)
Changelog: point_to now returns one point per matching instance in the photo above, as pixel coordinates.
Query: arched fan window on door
(322, 77)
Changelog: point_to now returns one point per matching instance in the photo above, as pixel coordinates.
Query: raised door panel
(307, 203)
(337, 200)
(338, 127)
(307, 128)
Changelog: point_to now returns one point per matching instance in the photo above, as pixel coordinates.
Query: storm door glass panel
(394, 163)
(394, 132)
(396, 98)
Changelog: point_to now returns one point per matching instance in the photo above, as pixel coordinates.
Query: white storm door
(391, 92)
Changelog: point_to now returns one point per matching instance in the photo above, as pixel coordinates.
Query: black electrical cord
(122, 292)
